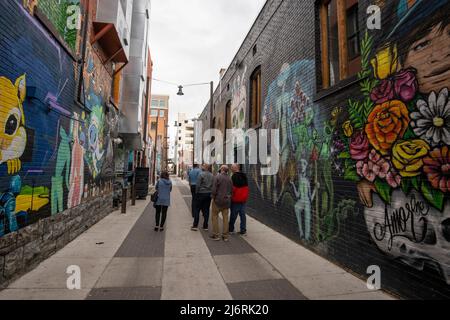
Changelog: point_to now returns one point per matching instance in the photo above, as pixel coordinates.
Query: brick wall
(56, 153)
(353, 193)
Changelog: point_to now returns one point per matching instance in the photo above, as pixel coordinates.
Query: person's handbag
(154, 196)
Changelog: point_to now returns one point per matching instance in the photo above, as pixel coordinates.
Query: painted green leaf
(350, 174)
(384, 190)
(409, 134)
(415, 182)
(434, 197)
(344, 155)
(406, 185)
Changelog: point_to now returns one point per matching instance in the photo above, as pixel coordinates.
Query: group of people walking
(225, 194)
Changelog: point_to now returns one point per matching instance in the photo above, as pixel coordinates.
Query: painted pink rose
(373, 167)
(405, 84)
(383, 92)
(359, 146)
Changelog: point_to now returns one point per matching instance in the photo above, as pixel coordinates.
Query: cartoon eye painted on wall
(12, 122)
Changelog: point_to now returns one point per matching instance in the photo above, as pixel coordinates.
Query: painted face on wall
(13, 137)
(430, 55)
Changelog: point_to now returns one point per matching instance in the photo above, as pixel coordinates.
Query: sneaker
(205, 229)
(232, 232)
(243, 233)
(226, 239)
(156, 229)
(161, 229)
(214, 238)
(194, 229)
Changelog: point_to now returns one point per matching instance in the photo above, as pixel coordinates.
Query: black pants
(202, 203)
(193, 200)
(160, 209)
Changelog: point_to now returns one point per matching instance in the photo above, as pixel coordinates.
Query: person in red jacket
(239, 199)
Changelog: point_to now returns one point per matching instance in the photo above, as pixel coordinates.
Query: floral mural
(396, 138)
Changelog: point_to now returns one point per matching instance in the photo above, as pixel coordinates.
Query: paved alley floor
(122, 258)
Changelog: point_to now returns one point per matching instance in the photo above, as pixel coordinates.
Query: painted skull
(412, 231)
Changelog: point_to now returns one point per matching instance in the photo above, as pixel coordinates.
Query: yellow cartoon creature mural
(13, 137)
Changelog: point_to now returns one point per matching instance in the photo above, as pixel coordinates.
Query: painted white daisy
(432, 121)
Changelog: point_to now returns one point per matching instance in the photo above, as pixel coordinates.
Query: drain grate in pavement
(143, 293)
(143, 241)
(278, 289)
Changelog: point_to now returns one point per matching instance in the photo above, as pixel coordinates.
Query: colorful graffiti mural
(53, 155)
(391, 140)
(395, 140)
(63, 14)
(304, 182)
(239, 101)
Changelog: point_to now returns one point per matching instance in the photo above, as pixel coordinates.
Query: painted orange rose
(387, 123)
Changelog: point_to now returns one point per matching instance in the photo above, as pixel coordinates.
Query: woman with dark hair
(423, 39)
(164, 188)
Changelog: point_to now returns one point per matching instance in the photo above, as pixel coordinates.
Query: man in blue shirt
(193, 176)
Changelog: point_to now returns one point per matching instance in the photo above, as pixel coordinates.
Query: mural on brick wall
(63, 14)
(391, 140)
(239, 100)
(53, 156)
(395, 139)
(304, 181)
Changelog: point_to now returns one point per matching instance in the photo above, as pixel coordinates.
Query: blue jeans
(238, 209)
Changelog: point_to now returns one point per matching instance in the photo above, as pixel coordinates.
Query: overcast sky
(191, 41)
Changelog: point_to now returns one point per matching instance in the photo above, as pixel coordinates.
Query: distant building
(184, 144)
(158, 133)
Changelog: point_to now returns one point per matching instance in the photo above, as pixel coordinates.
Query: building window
(255, 102)
(228, 115)
(340, 42)
(353, 40)
(162, 113)
(162, 104)
(154, 113)
(155, 103)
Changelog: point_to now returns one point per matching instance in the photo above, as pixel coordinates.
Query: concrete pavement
(122, 258)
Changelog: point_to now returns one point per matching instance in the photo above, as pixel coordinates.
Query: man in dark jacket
(221, 195)
(239, 199)
(203, 197)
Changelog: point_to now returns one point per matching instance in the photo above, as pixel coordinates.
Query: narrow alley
(318, 131)
(123, 258)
